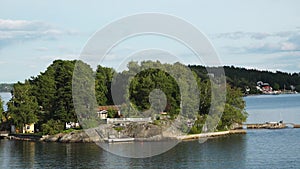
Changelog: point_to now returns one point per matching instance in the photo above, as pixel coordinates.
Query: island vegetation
(1, 110)
(46, 99)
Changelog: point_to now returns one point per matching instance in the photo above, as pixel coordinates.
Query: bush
(156, 122)
(52, 127)
(118, 129)
(194, 130)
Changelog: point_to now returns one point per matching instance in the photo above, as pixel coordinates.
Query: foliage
(157, 122)
(119, 128)
(52, 127)
(48, 101)
(71, 130)
(23, 107)
(148, 80)
(1, 110)
(198, 125)
(234, 111)
(83, 90)
(175, 81)
(111, 113)
(103, 82)
(48, 96)
(243, 78)
(53, 90)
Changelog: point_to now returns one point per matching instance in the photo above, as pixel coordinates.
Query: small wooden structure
(103, 110)
(4, 134)
(28, 128)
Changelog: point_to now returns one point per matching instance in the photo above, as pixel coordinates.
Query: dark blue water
(256, 149)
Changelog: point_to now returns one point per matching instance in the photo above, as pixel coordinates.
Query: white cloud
(288, 46)
(257, 35)
(2, 62)
(241, 35)
(271, 47)
(261, 42)
(20, 24)
(23, 30)
(42, 49)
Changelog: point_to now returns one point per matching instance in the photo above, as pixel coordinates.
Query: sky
(260, 34)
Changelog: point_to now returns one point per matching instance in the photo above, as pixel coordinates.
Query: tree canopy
(47, 99)
(23, 107)
(1, 110)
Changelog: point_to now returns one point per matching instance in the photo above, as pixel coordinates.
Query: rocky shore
(83, 137)
(73, 137)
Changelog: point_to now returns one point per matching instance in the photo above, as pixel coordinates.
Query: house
(264, 87)
(28, 128)
(72, 125)
(102, 112)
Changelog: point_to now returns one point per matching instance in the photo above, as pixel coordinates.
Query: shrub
(52, 127)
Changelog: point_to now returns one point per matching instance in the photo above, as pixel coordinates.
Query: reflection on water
(215, 153)
(139, 149)
(256, 149)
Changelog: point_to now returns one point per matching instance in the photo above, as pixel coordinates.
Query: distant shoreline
(271, 94)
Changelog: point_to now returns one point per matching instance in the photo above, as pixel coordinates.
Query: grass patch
(71, 130)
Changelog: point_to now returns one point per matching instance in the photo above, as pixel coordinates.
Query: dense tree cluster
(1, 110)
(23, 107)
(47, 99)
(148, 76)
(243, 78)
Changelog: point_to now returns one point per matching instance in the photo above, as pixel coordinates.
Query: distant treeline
(237, 77)
(5, 87)
(243, 78)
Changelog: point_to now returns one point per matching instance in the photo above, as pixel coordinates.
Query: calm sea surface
(256, 149)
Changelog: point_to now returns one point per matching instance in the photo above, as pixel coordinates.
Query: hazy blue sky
(262, 34)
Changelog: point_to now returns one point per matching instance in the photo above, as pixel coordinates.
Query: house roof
(109, 107)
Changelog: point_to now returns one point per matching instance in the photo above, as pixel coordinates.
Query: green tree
(63, 107)
(103, 83)
(276, 86)
(52, 127)
(111, 113)
(234, 111)
(84, 95)
(1, 110)
(175, 81)
(44, 88)
(150, 79)
(23, 107)
(53, 90)
(241, 77)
